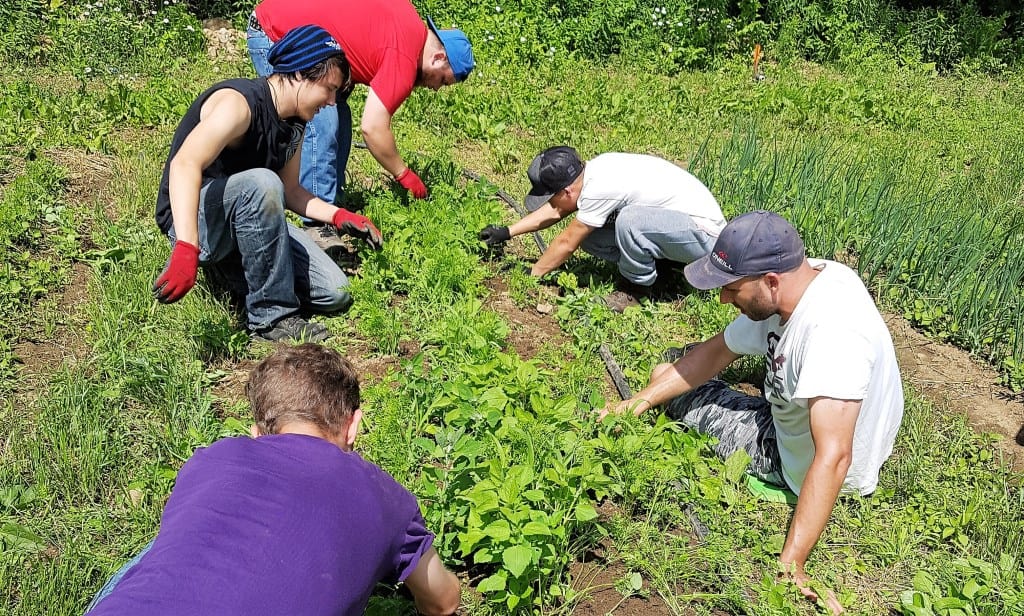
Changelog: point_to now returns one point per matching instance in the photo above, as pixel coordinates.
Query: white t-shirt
(835, 345)
(614, 180)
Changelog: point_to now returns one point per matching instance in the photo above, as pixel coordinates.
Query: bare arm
(562, 247)
(670, 380)
(541, 218)
(223, 119)
(376, 128)
(832, 425)
(435, 588)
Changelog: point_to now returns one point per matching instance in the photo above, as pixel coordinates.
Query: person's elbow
(444, 601)
(836, 459)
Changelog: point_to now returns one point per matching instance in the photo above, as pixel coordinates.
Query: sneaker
(618, 301)
(294, 329)
(325, 237)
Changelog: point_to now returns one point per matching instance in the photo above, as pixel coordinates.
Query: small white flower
(522, 39)
(190, 28)
(497, 9)
(166, 3)
(152, 12)
(167, 21)
(99, 5)
(85, 14)
(88, 69)
(490, 37)
(117, 9)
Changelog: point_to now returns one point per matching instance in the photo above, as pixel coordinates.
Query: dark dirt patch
(531, 329)
(596, 580)
(39, 354)
(955, 382)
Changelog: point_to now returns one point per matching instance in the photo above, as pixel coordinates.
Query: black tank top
(268, 144)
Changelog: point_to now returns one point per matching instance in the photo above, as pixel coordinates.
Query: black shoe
(293, 329)
(672, 354)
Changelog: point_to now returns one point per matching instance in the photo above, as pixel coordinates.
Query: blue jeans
(117, 577)
(644, 234)
(245, 241)
(328, 138)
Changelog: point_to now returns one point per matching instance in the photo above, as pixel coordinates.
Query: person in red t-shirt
(392, 51)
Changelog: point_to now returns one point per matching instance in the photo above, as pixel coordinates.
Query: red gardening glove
(359, 226)
(179, 276)
(412, 183)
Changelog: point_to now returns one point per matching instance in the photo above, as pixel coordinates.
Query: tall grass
(932, 247)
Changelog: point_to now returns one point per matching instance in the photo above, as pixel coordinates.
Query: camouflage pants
(737, 420)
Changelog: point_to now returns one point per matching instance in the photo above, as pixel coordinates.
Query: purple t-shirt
(280, 524)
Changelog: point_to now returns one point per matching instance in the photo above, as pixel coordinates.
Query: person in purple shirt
(291, 521)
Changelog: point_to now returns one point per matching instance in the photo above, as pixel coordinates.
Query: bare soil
(956, 383)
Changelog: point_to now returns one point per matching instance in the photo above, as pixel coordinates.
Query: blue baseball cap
(457, 47)
(755, 243)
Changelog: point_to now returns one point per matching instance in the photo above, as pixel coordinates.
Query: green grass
(914, 176)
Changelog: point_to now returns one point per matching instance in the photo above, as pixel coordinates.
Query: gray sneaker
(618, 301)
(325, 237)
(293, 329)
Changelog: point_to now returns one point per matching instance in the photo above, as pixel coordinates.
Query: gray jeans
(644, 234)
(737, 420)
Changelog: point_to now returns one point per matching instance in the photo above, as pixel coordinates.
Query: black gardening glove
(494, 236)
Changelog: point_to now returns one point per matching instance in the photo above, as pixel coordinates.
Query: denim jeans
(117, 577)
(328, 138)
(245, 240)
(645, 234)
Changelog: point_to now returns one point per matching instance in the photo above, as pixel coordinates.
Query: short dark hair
(308, 383)
(321, 69)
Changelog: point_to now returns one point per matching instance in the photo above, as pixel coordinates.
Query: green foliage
(976, 587)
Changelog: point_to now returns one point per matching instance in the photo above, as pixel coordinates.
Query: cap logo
(721, 260)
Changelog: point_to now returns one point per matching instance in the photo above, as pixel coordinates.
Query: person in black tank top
(233, 168)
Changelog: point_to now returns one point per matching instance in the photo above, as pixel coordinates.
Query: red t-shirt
(383, 39)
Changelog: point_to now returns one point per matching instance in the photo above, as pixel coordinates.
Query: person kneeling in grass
(833, 395)
(291, 521)
(631, 209)
(232, 171)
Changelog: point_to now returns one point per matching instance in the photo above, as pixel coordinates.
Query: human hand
(179, 276)
(412, 182)
(634, 405)
(494, 236)
(359, 226)
(795, 573)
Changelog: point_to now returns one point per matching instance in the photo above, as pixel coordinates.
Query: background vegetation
(889, 132)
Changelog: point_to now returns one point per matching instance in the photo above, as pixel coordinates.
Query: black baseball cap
(752, 244)
(551, 171)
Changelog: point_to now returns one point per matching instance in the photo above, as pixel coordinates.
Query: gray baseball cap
(752, 244)
(551, 171)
